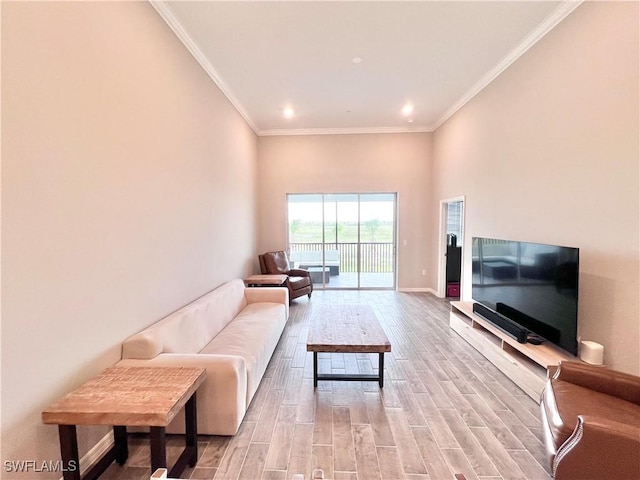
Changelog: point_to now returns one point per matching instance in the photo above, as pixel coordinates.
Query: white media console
(525, 364)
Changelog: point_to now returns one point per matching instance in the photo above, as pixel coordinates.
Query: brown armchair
(591, 423)
(277, 263)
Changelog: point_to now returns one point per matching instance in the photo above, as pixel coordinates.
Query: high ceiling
(352, 66)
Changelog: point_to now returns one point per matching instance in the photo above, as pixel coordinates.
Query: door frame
(442, 245)
(358, 286)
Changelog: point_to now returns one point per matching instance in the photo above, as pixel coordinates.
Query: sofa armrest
(269, 294)
(601, 379)
(599, 448)
(298, 272)
(221, 399)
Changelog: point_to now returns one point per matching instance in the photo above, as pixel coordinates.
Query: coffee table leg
(315, 369)
(120, 440)
(191, 428)
(381, 369)
(158, 441)
(69, 452)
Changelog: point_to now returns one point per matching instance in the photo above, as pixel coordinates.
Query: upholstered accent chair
(591, 423)
(277, 263)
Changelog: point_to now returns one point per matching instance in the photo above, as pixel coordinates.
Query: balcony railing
(374, 257)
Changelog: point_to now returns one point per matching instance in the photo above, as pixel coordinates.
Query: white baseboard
(96, 452)
(423, 290)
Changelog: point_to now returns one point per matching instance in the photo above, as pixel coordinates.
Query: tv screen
(533, 284)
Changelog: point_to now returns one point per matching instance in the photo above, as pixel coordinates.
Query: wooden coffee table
(347, 329)
(129, 396)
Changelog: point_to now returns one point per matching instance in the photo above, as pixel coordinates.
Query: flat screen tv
(532, 284)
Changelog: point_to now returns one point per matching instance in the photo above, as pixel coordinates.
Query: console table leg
(381, 369)
(120, 440)
(191, 428)
(69, 452)
(315, 369)
(158, 442)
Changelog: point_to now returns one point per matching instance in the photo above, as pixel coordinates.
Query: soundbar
(503, 323)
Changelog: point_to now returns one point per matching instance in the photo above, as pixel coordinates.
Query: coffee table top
(130, 396)
(347, 329)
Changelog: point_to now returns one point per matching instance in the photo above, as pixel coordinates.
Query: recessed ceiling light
(356, 60)
(407, 110)
(288, 112)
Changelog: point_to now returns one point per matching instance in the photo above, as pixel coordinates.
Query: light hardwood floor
(444, 409)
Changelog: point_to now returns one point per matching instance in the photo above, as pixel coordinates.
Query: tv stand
(524, 363)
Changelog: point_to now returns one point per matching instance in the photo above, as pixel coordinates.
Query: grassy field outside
(371, 231)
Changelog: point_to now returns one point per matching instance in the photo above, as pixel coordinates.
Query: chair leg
(309, 295)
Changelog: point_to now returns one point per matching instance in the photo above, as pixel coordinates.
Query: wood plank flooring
(444, 409)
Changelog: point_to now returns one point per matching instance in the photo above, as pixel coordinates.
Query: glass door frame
(394, 250)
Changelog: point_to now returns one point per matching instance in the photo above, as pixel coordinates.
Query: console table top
(266, 279)
(132, 396)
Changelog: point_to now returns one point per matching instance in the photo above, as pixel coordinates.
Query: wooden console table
(265, 280)
(129, 396)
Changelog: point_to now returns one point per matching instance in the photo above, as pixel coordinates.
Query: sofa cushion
(180, 332)
(189, 329)
(253, 335)
(308, 258)
(143, 345)
(565, 401)
(185, 334)
(222, 305)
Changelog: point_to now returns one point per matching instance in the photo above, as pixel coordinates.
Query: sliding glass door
(345, 240)
(377, 239)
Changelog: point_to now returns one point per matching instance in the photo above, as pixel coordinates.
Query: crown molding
(165, 11)
(343, 131)
(559, 14)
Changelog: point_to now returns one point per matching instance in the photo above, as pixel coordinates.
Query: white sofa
(232, 332)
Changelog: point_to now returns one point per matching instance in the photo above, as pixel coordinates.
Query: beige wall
(549, 153)
(129, 185)
(351, 163)
(128, 190)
